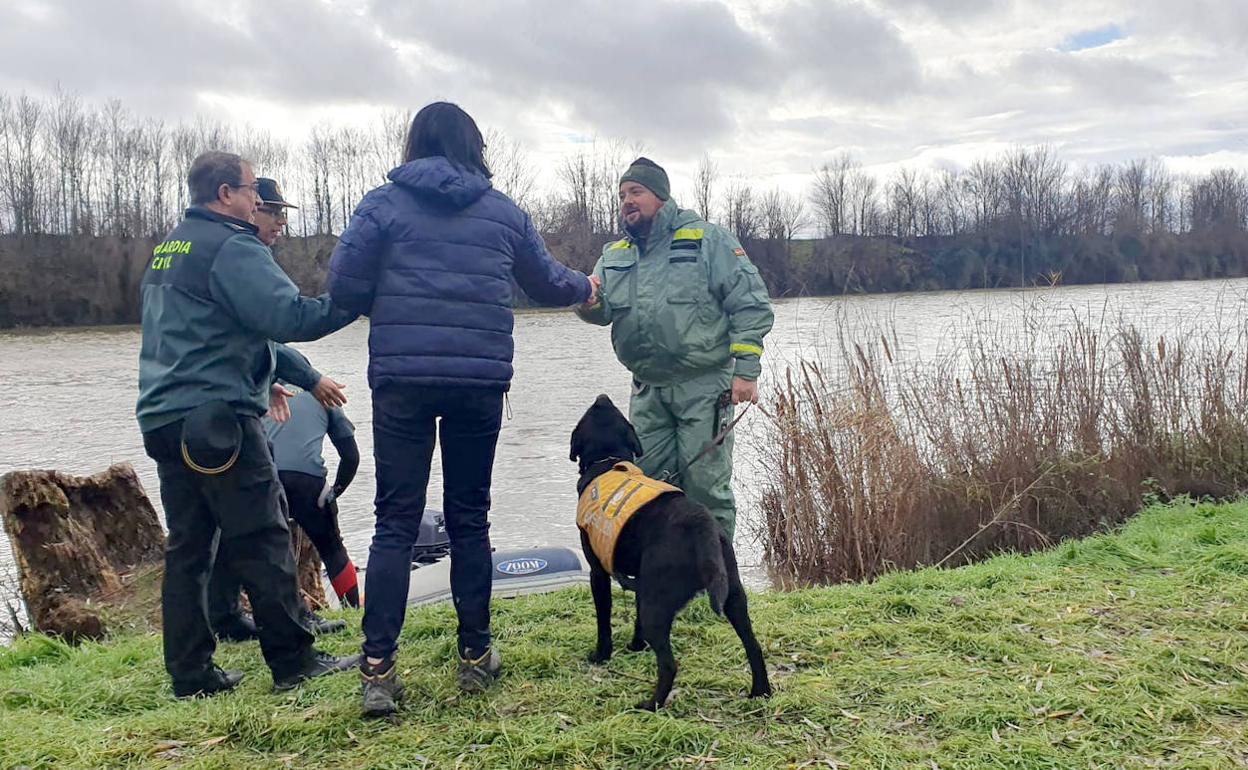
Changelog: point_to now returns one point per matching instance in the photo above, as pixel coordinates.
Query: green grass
(1120, 651)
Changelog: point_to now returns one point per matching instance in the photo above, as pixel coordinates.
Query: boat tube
(516, 572)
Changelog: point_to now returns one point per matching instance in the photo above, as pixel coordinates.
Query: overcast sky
(769, 89)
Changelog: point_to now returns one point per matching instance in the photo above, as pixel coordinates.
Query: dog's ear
(634, 442)
(577, 445)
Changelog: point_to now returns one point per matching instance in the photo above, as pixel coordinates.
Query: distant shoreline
(33, 329)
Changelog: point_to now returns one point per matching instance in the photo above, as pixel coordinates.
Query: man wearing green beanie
(688, 312)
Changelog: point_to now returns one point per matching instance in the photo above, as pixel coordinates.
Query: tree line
(71, 168)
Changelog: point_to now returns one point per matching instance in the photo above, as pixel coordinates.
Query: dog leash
(709, 446)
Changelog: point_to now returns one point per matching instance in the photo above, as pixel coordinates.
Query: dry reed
(876, 463)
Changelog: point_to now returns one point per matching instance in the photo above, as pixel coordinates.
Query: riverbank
(1122, 650)
(60, 280)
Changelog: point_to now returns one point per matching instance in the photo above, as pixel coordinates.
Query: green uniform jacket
(294, 367)
(213, 298)
(686, 301)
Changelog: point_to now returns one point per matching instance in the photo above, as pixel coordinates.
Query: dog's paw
(647, 705)
(637, 645)
(761, 692)
(598, 658)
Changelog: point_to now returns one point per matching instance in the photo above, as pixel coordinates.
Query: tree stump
(75, 541)
(308, 566)
(81, 543)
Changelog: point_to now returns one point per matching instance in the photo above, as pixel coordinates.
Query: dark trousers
(406, 421)
(245, 504)
(321, 525)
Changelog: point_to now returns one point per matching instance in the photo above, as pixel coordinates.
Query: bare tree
(390, 141)
(927, 212)
(1090, 199)
(138, 179)
(1034, 181)
(514, 173)
(20, 123)
(1161, 197)
(1220, 201)
(953, 207)
(904, 192)
(350, 177)
(1142, 195)
(156, 155)
(212, 134)
(987, 193)
(864, 207)
(8, 157)
(782, 215)
(576, 179)
(741, 211)
(185, 147)
(829, 194)
(548, 213)
(589, 186)
(68, 130)
(317, 161)
(612, 160)
(704, 186)
(1130, 192)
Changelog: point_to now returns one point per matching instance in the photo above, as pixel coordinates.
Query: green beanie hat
(650, 175)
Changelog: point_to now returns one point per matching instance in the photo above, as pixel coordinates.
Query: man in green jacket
(688, 312)
(225, 612)
(213, 299)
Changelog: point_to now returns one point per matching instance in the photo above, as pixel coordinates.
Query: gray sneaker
(476, 674)
(381, 686)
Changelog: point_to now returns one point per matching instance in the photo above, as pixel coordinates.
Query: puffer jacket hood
(438, 180)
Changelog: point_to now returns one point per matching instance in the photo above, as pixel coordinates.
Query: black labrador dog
(669, 550)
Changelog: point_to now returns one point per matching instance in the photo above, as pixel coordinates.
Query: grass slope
(1120, 651)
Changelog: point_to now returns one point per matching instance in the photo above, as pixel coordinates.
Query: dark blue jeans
(406, 421)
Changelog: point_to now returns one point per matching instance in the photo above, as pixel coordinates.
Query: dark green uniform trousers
(674, 423)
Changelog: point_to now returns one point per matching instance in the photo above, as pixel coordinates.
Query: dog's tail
(710, 555)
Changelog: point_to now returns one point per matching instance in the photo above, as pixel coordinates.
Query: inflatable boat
(516, 571)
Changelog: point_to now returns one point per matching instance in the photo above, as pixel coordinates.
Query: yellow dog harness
(610, 501)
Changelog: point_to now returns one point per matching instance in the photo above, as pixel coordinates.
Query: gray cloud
(643, 69)
(163, 52)
(679, 73)
(949, 10)
(843, 50)
(1219, 23)
(1104, 79)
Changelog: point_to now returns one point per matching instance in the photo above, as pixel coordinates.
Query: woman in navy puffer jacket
(430, 258)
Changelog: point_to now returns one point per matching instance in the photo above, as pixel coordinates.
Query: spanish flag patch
(740, 252)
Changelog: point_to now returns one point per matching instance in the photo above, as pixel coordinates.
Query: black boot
(238, 628)
(321, 664)
(211, 682)
(320, 625)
